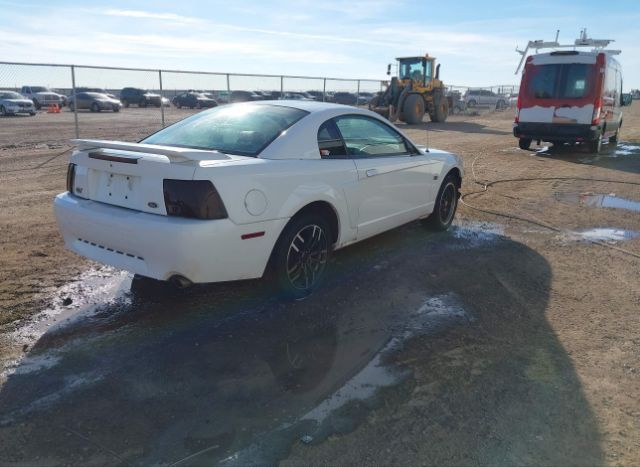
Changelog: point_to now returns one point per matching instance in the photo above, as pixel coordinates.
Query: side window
(329, 140)
(367, 137)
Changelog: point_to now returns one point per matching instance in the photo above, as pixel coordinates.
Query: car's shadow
(157, 376)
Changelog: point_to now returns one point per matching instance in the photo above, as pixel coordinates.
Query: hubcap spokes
(307, 257)
(447, 203)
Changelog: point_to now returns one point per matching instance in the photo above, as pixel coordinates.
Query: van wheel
(301, 256)
(524, 143)
(596, 145)
(614, 138)
(445, 206)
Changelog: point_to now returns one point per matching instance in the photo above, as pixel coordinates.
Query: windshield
(10, 95)
(560, 81)
(242, 129)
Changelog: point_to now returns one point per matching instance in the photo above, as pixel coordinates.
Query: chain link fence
(145, 100)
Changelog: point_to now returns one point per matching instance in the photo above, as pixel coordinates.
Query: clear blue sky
(473, 40)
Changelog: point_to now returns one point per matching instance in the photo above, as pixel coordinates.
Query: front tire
(95, 107)
(445, 206)
(301, 256)
(413, 109)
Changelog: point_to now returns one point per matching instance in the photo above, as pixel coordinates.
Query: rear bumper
(159, 246)
(564, 132)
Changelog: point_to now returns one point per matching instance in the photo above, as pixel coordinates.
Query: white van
(570, 96)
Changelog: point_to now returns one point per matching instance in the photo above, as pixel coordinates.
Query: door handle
(371, 172)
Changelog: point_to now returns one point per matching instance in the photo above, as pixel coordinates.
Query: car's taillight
(195, 199)
(71, 176)
(597, 108)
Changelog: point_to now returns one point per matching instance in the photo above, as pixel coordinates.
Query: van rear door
(560, 88)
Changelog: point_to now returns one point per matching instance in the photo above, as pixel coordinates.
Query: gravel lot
(540, 368)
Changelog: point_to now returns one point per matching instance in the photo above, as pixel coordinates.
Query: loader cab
(418, 69)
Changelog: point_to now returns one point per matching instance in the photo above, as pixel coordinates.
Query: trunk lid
(130, 175)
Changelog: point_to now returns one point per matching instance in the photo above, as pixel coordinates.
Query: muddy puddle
(223, 372)
(596, 200)
(602, 234)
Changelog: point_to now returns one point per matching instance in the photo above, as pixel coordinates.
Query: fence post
(324, 90)
(161, 96)
(358, 94)
(228, 88)
(281, 87)
(75, 104)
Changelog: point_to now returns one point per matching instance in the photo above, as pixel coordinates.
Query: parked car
(317, 95)
(194, 100)
(244, 96)
(221, 97)
(346, 98)
(94, 101)
(297, 96)
(228, 194)
(140, 97)
(484, 97)
(365, 97)
(99, 90)
(456, 102)
(42, 96)
(570, 96)
(12, 103)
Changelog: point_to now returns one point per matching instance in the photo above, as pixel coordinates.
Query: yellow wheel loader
(415, 91)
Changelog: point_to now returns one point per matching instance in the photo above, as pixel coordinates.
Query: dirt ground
(548, 371)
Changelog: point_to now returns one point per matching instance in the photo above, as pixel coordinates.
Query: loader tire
(440, 108)
(413, 109)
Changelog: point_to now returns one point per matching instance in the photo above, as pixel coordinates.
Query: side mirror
(389, 69)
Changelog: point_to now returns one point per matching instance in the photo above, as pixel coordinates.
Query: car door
(396, 181)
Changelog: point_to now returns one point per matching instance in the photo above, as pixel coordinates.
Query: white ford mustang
(242, 189)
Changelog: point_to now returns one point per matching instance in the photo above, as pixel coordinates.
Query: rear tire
(300, 258)
(445, 206)
(3, 111)
(413, 109)
(595, 146)
(524, 143)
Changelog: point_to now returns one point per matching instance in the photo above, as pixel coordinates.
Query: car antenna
(426, 127)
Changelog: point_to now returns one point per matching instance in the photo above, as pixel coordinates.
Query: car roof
(300, 141)
(309, 106)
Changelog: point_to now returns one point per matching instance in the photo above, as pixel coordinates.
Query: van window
(575, 82)
(543, 81)
(560, 81)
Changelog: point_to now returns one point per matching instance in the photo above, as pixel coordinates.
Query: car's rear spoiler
(174, 154)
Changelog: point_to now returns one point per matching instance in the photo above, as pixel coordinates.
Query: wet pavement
(123, 371)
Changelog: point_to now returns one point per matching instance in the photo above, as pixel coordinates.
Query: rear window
(241, 129)
(560, 81)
